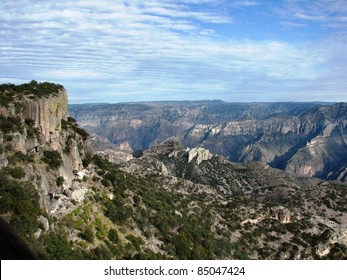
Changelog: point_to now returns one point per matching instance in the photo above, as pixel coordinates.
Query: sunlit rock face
(200, 154)
(47, 114)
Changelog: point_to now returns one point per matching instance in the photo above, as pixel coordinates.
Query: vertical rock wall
(47, 114)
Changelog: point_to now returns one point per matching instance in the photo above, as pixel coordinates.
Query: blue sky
(132, 50)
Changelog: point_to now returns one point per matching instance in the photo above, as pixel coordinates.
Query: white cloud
(324, 12)
(245, 3)
(153, 50)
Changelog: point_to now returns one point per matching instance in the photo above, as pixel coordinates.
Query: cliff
(47, 114)
(37, 133)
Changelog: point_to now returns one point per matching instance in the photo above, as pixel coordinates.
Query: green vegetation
(10, 92)
(87, 235)
(11, 124)
(71, 123)
(60, 181)
(31, 130)
(117, 212)
(53, 159)
(20, 201)
(194, 239)
(18, 157)
(113, 236)
(16, 172)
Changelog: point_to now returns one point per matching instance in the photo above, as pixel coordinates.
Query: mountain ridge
(274, 133)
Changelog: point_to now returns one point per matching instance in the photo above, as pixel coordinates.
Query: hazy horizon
(131, 50)
(202, 100)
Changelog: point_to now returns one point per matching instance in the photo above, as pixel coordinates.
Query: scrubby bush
(23, 202)
(87, 235)
(87, 160)
(11, 124)
(53, 159)
(113, 236)
(135, 241)
(119, 213)
(20, 157)
(60, 181)
(71, 123)
(15, 172)
(84, 134)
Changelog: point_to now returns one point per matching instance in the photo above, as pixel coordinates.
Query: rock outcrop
(47, 114)
(199, 154)
(38, 127)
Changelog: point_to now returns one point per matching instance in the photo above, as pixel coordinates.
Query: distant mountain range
(305, 139)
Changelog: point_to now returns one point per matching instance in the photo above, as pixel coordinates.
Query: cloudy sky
(132, 50)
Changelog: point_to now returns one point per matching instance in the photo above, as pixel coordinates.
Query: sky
(132, 50)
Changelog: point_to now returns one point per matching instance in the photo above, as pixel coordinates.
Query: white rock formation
(200, 154)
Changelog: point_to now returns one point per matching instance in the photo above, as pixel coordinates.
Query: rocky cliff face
(36, 127)
(47, 114)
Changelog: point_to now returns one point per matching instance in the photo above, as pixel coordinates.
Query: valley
(304, 139)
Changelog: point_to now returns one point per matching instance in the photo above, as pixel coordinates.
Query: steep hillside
(261, 212)
(166, 203)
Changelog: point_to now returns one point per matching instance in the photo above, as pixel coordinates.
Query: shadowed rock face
(304, 139)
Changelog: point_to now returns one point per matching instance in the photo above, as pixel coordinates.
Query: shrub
(87, 160)
(23, 201)
(136, 241)
(20, 157)
(60, 181)
(64, 124)
(15, 172)
(11, 124)
(29, 122)
(113, 236)
(87, 235)
(57, 247)
(71, 119)
(118, 214)
(84, 134)
(53, 159)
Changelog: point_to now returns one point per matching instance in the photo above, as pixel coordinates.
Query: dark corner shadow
(12, 246)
